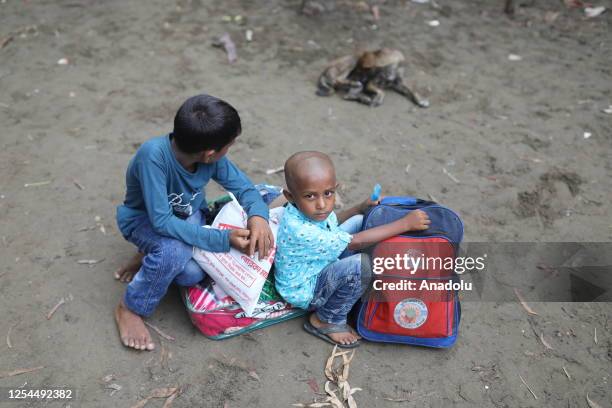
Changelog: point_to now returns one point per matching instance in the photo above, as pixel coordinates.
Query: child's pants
(167, 260)
(341, 283)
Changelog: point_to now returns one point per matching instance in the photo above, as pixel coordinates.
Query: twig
(77, 184)
(569, 377)
(37, 184)
(396, 399)
(161, 333)
(8, 335)
(545, 343)
(52, 311)
(592, 403)
(450, 175)
(4, 41)
(523, 303)
(275, 170)
(171, 398)
(20, 371)
(529, 388)
(89, 261)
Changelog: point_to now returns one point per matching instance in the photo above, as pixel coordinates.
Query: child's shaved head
(307, 165)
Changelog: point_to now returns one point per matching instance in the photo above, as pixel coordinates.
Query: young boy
(162, 211)
(308, 272)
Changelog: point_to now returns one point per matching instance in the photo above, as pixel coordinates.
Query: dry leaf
(171, 398)
(329, 363)
(523, 303)
(347, 365)
(333, 398)
(339, 377)
(349, 398)
(345, 388)
(20, 371)
(592, 403)
(254, 375)
(545, 343)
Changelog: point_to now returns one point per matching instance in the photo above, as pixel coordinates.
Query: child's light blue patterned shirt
(304, 248)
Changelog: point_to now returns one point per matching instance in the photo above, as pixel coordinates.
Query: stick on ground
(19, 371)
(161, 333)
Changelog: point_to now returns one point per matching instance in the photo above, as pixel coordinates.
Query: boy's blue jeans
(167, 260)
(341, 283)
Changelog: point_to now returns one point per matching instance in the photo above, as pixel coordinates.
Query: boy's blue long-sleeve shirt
(159, 187)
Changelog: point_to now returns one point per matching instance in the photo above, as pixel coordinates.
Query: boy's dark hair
(204, 122)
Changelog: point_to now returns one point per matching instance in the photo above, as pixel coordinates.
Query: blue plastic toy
(376, 193)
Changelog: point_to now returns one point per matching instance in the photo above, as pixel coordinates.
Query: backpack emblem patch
(410, 313)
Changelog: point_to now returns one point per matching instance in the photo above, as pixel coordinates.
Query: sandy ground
(510, 132)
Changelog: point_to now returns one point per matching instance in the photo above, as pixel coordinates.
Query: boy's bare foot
(132, 329)
(341, 337)
(126, 272)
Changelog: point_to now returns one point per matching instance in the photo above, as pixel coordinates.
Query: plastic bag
(239, 275)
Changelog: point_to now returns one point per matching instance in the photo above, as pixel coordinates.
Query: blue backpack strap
(404, 200)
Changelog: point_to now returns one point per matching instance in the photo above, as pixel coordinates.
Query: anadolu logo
(410, 313)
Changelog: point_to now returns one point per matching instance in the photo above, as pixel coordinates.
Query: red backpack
(413, 302)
